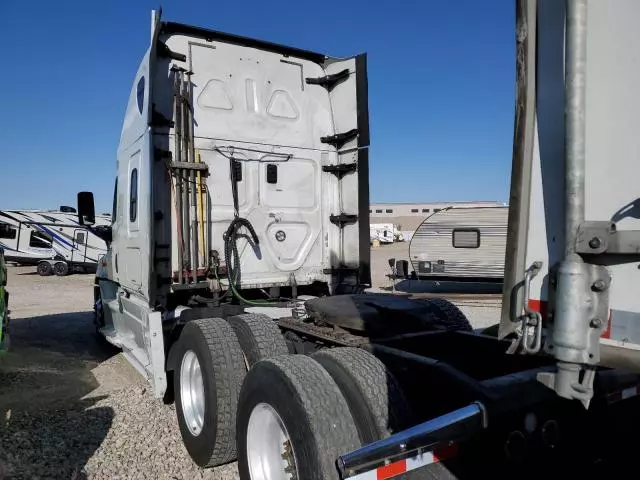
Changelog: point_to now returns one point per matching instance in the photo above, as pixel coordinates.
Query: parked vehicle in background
(52, 240)
(382, 232)
(4, 303)
(461, 243)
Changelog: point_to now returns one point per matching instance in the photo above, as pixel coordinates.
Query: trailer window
(133, 196)
(80, 237)
(414, 210)
(425, 210)
(388, 210)
(40, 240)
(465, 238)
(8, 231)
(378, 211)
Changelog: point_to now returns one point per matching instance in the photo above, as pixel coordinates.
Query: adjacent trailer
(461, 243)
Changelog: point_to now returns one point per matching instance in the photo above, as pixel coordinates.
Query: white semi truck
(239, 250)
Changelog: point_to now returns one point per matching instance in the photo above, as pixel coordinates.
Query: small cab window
(465, 238)
(140, 94)
(133, 196)
(114, 208)
(80, 238)
(40, 240)
(8, 231)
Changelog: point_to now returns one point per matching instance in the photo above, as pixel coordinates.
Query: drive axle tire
(448, 315)
(61, 269)
(259, 336)
(293, 422)
(44, 269)
(376, 400)
(207, 382)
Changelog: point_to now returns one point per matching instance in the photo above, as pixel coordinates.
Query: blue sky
(441, 88)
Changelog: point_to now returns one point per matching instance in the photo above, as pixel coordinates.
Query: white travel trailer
(52, 240)
(461, 243)
(383, 232)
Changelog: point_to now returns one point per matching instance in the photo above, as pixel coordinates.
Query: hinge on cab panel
(339, 139)
(164, 51)
(341, 169)
(328, 81)
(343, 219)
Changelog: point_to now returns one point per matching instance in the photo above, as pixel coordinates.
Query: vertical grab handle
(531, 340)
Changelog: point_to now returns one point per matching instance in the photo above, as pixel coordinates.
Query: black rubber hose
(233, 268)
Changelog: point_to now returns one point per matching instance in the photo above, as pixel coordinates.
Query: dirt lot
(71, 407)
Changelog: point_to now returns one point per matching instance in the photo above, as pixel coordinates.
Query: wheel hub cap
(270, 454)
(192, 393)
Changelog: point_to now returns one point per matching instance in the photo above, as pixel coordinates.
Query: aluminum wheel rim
(192, 393)
(270, 455)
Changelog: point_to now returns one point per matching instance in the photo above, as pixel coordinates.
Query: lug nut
(596, 323)
(595, 242)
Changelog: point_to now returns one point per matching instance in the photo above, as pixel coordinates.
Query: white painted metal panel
(255, 105)
(612, 148)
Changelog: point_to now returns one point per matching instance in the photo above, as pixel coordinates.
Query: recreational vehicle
(4, 303)
(52, 240)
(461, 243)
(383, 232)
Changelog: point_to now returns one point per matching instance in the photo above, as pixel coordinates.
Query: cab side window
(133, 196)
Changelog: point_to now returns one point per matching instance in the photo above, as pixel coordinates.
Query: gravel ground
(71, 407)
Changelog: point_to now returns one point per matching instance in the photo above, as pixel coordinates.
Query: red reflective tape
(445, 452)
(607, 332)
(391, 470)
(541, 306)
